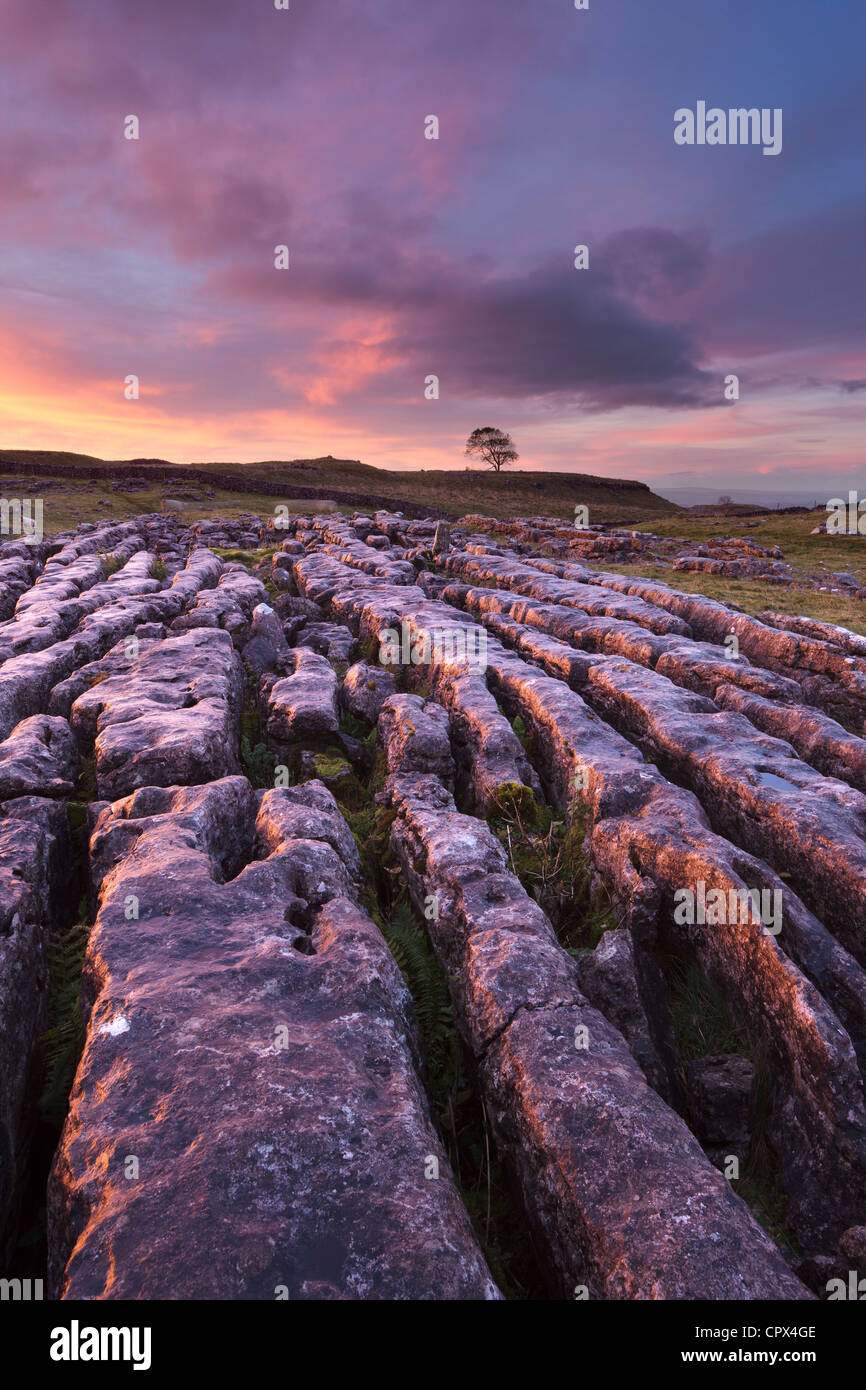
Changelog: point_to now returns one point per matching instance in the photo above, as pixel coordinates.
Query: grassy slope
(69, 503)
(516, 493)
(513, 493)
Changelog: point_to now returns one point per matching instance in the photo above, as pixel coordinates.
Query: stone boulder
(365, 689)
(414, 733)
(39, 758)
(302, 705)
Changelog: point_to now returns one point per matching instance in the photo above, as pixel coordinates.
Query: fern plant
(63, 1039)
(457, 1110)
(259, 762)
(429, 989)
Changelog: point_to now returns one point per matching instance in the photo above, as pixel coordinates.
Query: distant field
(515, 493)
(812, 554)
(68, 504)
(70, 500)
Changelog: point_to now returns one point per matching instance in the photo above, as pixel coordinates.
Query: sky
(453, 258)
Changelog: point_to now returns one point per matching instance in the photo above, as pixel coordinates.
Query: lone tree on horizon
(494, 447)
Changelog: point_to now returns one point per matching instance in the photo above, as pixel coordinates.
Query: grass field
(811, 554)
(69, 501)
(515, 493)
(67, 504)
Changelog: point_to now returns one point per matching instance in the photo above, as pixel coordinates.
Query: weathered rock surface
(697, 666)
(837, 636)
(266, 1088)
(365, 689)
(17, 573)
(332, 640)
(710, 756)
(303, 705)
(852, 1245)
(825, 961)
(267, 625)
(39, 758)
(120, 658)
(722, 1092)
(756, 790)
(63, 595)
(26, 681)
(762, 991)
(414, 733)
(817, 738)
(267, 643)
(619, 1194)
(652, 840)
(35, 852)
(827, 676)
(489, 757)
(627, 986)
(171, 718)
(510, 572)
(230, 605)
(364, 557)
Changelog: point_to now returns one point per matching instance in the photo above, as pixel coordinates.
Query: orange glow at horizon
(46, 403)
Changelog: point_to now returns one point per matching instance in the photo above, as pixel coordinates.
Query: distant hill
(348, 482)
(763, 499)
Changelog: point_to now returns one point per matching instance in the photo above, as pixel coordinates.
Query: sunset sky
(453, 257)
